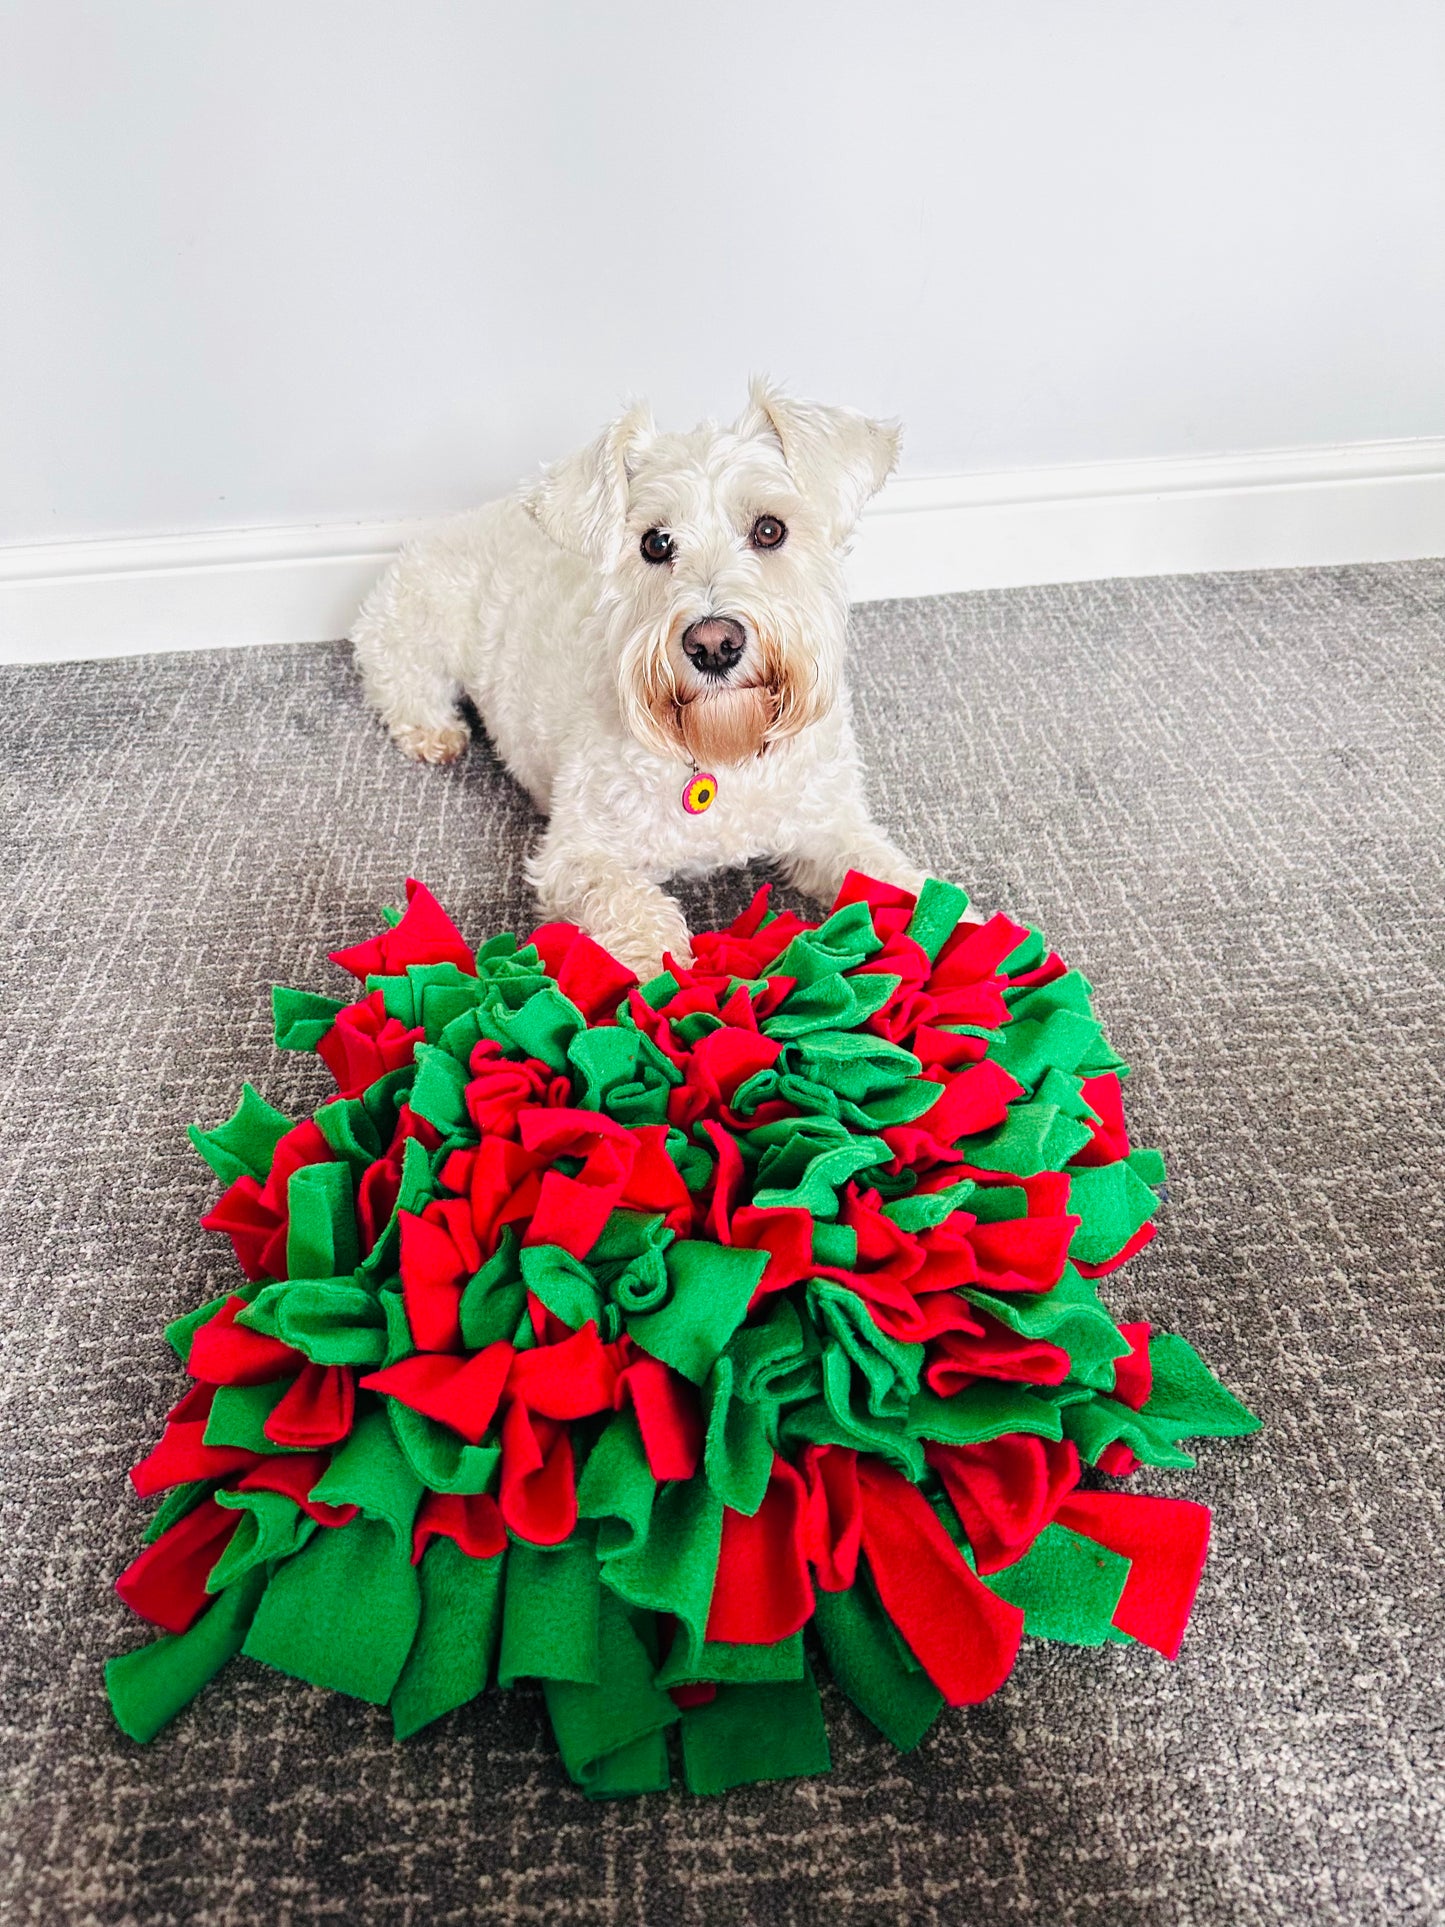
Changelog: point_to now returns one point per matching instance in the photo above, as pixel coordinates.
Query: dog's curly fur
(543, 609)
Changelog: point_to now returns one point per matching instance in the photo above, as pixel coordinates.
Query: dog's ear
(837, 457)
(581, 502)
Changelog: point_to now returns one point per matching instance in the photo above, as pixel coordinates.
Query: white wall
(305, 261)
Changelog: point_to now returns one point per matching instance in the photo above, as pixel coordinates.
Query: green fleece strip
(550, 1622)
(455, 1648)
(863, 1655)
(244, 1144)
(342, 1613)
(1067, 1587)
(150, 1686)
(750, 1733)
(598, 1720)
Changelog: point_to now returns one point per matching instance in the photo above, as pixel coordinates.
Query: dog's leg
(818, 865)
(403, 665)
(587, 884)
(833, 833)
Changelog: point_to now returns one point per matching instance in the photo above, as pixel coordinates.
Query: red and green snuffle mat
(614, 1336)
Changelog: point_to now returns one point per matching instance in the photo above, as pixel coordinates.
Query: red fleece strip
(964, 1637)
(591, 976)
(364, 1044)
(225, 1353)
(1005, 1492)
(668, 1416)
(1134, 1375)
(538, 1487)
(167, 1583)
(975, 951)
(317, 1410)
(293, 1474)
(890, 906)
(1022, 1254)
(762, 1592)
(1110, 1140)
(425, 935)
(439, 1253)
(472, 1520)
(181, 1453)
(956, 1358)
(785, 1232)
(569, 1380)
(833, 1528)
(460, 1392)
(1166, 1540)
(501, 1087)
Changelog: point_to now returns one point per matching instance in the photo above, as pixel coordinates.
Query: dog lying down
(653, 634)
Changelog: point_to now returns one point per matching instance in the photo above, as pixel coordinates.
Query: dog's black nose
(714, 645)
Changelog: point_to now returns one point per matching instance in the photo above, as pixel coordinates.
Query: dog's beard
(727, 725)
(724, 725)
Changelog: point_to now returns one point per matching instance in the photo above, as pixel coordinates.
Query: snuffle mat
(654, 1341)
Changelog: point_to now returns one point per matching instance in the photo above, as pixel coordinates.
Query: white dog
(655, 611)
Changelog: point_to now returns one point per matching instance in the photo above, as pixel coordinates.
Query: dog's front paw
(426, 743)
(645, 950)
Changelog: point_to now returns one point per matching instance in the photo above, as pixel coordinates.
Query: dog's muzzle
(715, 645)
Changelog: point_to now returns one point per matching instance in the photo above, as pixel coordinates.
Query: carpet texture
(1222, 798)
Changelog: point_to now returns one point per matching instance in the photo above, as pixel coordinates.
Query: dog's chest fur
(620, 794)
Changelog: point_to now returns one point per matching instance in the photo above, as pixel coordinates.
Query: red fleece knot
(1005, 1491)
(364, 1044)
(255, 1216)
(502, 1086)
(425, 935)
(591, 976)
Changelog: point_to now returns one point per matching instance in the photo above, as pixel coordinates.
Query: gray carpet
(1222, 797)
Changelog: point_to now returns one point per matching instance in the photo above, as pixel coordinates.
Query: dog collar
(699, 792)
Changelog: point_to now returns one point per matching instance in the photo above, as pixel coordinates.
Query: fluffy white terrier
(654, 606)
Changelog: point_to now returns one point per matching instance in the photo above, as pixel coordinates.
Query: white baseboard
(1357, 502)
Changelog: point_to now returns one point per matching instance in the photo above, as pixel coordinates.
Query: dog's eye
(658, 546)
(768, 533)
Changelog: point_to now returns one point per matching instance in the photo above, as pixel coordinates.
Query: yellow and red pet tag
(699, 793)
